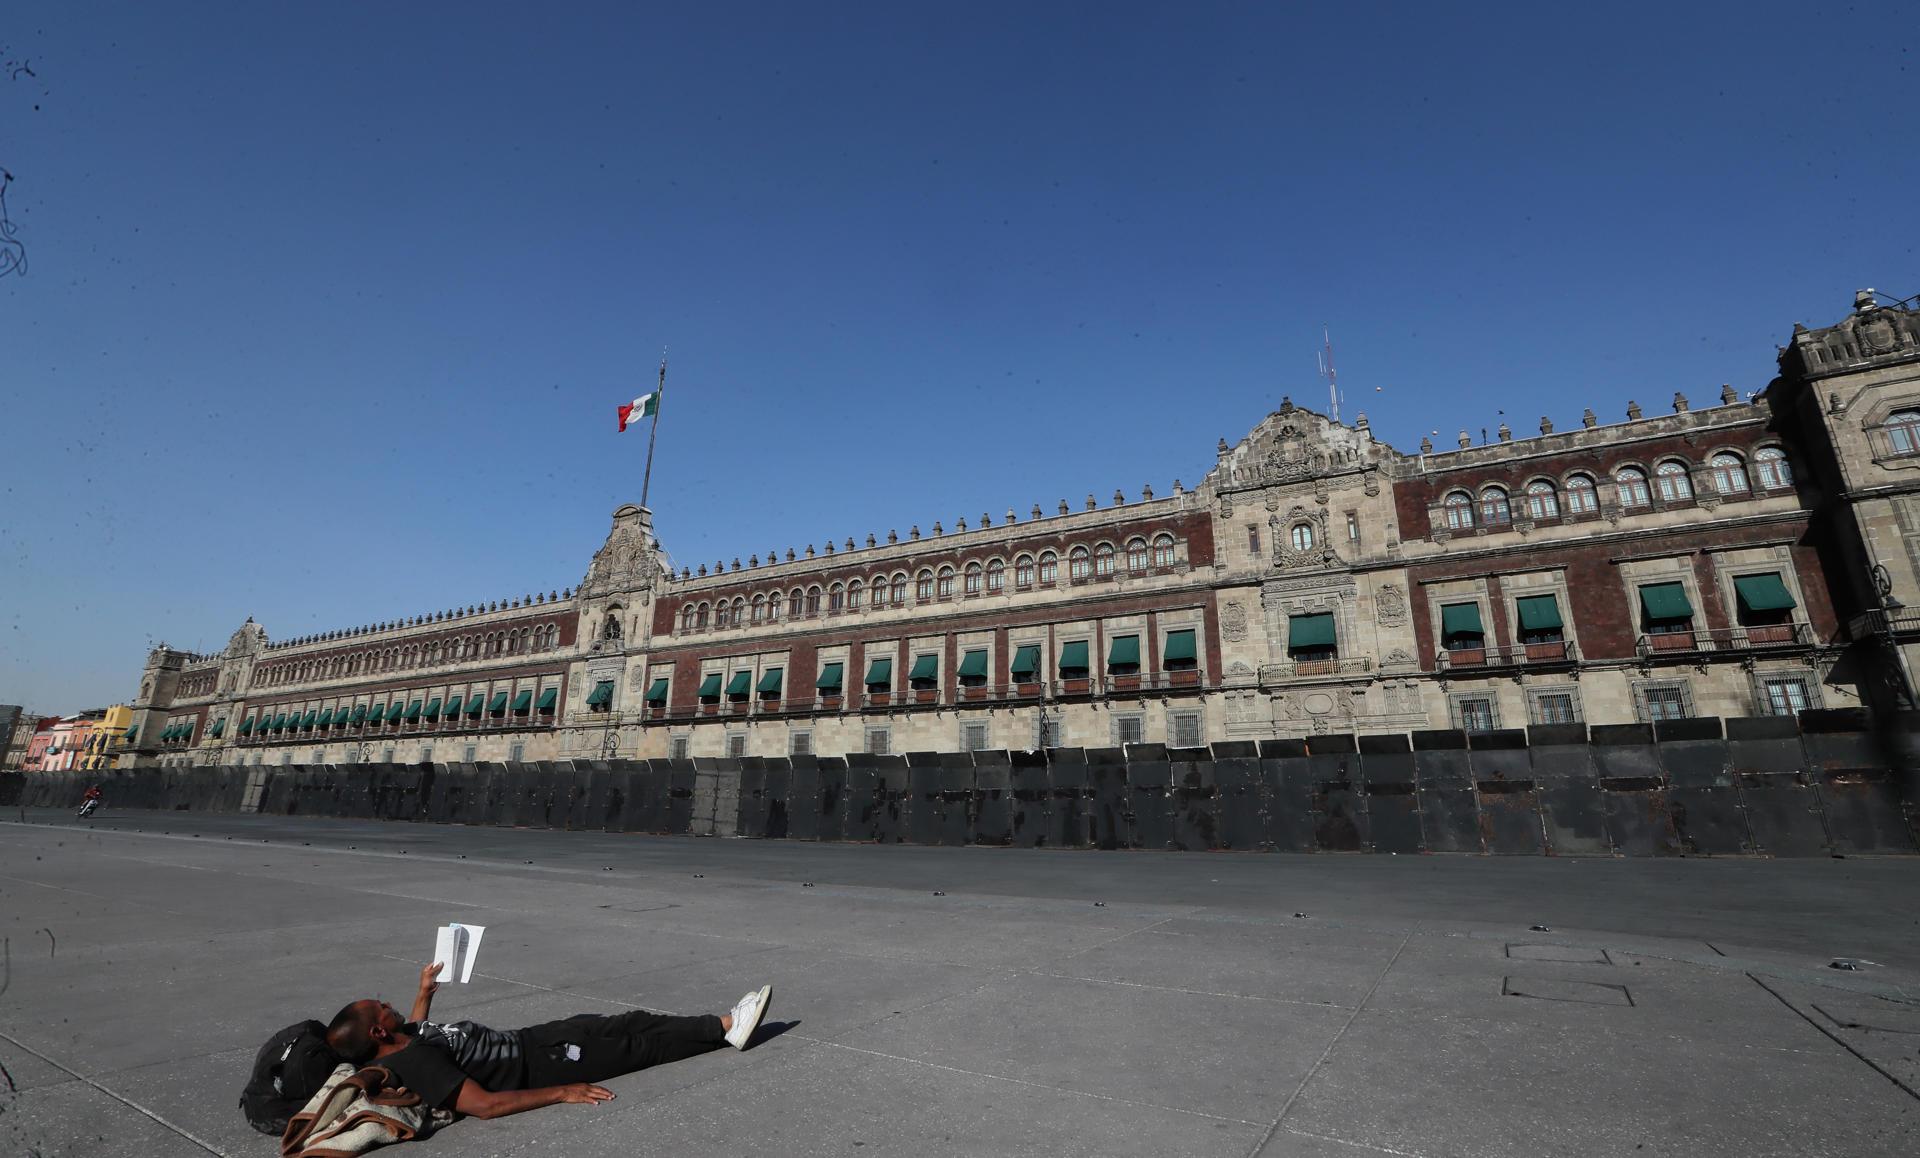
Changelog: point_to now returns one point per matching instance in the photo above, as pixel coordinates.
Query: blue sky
(328, 307)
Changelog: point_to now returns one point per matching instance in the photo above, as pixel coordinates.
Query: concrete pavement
(981, 1001)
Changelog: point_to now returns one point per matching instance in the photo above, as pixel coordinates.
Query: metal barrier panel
(1109, 805)
(440, 807)
(1339, 802)
(775, 788)
(1692, 753)
(803, 799)
(1240, 804)
(992, 799)
(925, 781)
(645, 807)
(619, 792)
(566, 782)
(1393, 817)
(1572, 813)
(1449, 808)
(473, 798)
(587, 810)
(1702, 800)
(1031, 785)
(751, 814)
(505, 789)
(1637, 818)
(1863, 810)
(1784, 814)
(1196, 800)
(1505, 793)
(680, 777)
(863, 797)
(1767, 745)
(1149, 811)
(13, 786)
(1070, 819)
(1290, 795)
(831, 806)
(957, 805)
(893, 799)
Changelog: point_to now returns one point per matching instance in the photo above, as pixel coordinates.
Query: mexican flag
(645, 406)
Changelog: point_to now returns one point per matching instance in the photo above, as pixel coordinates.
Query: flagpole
(659, 399)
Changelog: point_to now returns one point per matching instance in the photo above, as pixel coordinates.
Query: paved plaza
(974, 1001)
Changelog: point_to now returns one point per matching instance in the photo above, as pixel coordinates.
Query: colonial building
(1746, 556)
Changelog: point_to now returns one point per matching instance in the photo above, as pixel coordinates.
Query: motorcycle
(87, 807)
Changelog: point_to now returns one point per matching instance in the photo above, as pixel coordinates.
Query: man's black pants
(608, 1046)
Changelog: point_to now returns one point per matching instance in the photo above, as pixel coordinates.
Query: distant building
(1745, 556)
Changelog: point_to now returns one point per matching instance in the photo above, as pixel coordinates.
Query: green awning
(246, 727)
(326, 719)
(1124, 649)
(132, 733)
(880, 674)
(769, 681)
(656, 692)
(709, 687)
(359, 714)
(412, 714)
(1026, 660)
(1538, 613)
(1073, 657)
(219, 726)
(974, 663)
(830, 678)
(1460, 619)
(279, 723)
(397, 710)
(1762, 593)
(1665, 601)
(374, 713)
(433, 708)
(1179, 646)
(1310, 631)
(313, 717)
(602, 693)
(498, 703)
(523, 701)
(925, 667)
(169, 732)
(547, 699)
(740, 684)
(479, 700)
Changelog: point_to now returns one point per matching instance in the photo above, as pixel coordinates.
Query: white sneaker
(747, 1013)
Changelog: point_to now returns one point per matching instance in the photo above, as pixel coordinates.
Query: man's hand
(429, 978)
(581, 1093)
(423, 1000)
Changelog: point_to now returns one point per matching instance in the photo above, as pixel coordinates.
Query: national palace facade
(1738, 556)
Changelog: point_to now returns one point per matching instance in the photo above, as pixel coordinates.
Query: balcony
(1901, 622)
(1315, 671)
(1709, 641)
(1523, 654)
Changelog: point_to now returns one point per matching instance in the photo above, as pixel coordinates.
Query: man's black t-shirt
(442, 1056)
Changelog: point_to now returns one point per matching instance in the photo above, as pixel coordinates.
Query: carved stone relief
(1233, 622)
(1317, 553)
(1390, 605)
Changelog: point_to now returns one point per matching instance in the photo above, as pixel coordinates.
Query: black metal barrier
(1817, 786)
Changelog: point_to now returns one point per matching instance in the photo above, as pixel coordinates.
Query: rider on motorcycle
(90, 800)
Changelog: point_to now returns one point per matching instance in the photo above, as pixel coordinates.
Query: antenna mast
(1326, 371)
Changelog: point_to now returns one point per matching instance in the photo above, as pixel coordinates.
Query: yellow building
(99, 739)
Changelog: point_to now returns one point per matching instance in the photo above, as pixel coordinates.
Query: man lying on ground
(488, 1073)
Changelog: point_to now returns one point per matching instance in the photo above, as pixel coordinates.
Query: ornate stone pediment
(1317, 552)
(248, 640)
(1292, 446)
(630, 559)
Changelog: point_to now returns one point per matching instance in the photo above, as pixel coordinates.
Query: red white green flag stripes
(645, 406)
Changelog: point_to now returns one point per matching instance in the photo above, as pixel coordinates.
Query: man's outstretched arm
(476, 1101)
(423, 1000)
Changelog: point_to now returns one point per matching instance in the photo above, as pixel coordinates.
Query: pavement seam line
(1328, 1052)
(1349, 1142)
(1030, 1084)
(1838, 1040)
(118, 1097)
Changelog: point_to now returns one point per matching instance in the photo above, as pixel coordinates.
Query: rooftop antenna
(1326, 371)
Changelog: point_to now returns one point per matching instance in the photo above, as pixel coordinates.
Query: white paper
(454, 949)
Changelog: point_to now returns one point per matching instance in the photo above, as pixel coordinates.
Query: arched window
(739, 610)
(1494, 509)
(1729, 474)
(776, 607)
(996, 577)
(1582, 496)
(1542, 502)
(700, 615)
(1049, 567)
(1136, 554)
(1077, 567)
(1903, 431)
(1675, 485)
(1103, 556)
(1163, 551)
(813, 601)
(836, 599)
(1301, 536)
(854, 595)
(879, 590)
(975, 574)
(1459, 508)
(899, 588)
(945, 588)
(1632, 484)
(686, 618)
(759, 608)
(1770, 466)
(923, 586)
(797, 602)
(1023, 571)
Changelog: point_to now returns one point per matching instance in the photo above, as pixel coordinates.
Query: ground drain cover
(1874, 1014)
(1565, 953)
(1579, 992)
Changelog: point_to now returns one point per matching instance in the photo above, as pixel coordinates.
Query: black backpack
(288, 1071)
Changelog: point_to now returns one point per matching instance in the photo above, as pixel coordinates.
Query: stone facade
(1731, 559)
